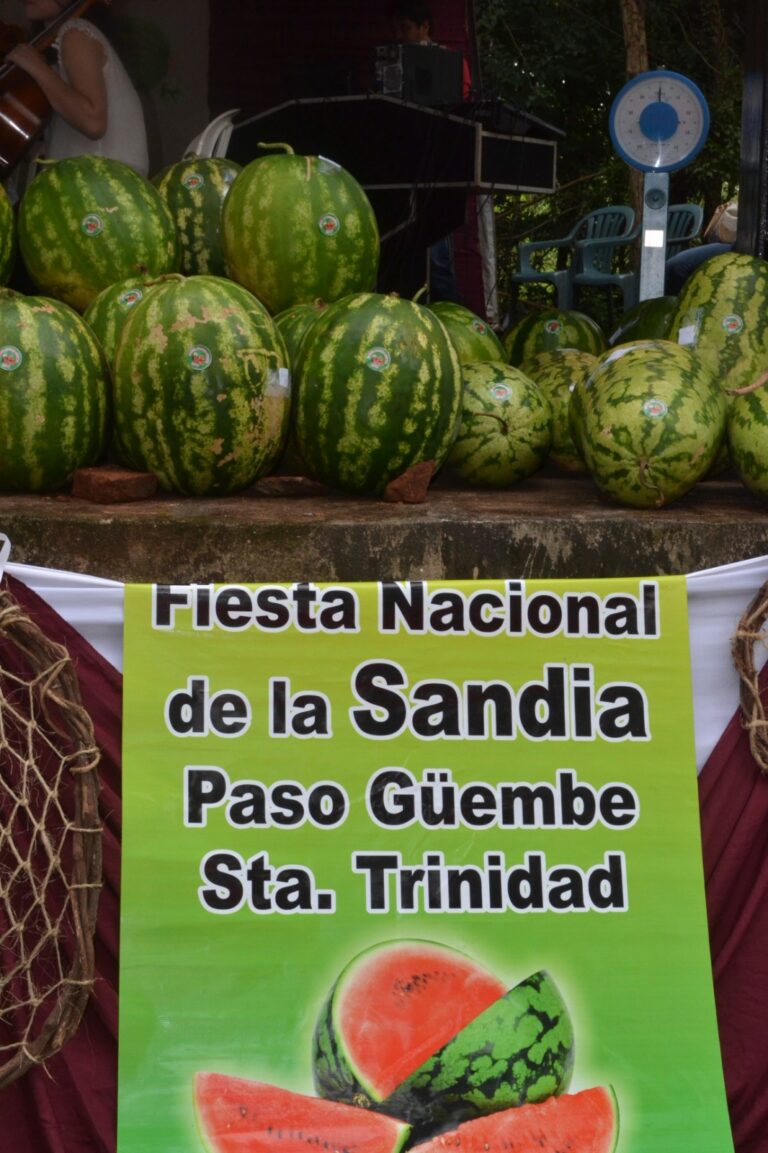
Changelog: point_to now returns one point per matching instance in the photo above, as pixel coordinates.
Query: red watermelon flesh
(393, 1007)
(242, 1116)
(585, 1122)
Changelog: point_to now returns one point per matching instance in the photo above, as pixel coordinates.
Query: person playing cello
(95, 106)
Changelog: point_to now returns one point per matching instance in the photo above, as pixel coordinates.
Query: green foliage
(565, 61)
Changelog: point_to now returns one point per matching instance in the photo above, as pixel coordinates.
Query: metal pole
(753, 186)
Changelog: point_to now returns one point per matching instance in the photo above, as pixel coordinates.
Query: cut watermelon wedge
(240, 1116)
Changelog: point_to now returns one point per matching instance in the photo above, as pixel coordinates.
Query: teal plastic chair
(596, 261)
(684, 224)
(604, 229)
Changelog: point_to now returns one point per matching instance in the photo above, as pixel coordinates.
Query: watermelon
(747, 435)
(194, 190)
(240, 1116)
(297, 229)
(389, 1011)
(54, 395)
(585, 1122)
(650, 422)
(201, 387)
(378, 389)
(295, 322)
(721, 315)
(87, 221)
(505, 433)
(7, 236)
(472, 338)
(554, 328)
(648, 320)
(518, 1050)
(557, 373)
(110, 307)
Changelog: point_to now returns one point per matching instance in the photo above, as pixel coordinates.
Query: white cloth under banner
(717, 598)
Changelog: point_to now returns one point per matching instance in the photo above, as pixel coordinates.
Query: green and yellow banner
(405, 857)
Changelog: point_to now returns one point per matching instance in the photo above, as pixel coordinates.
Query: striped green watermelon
(506, 426)
(109, 309)
(721, 314)
(647, 320)
(201, 387)
(295, 322)
(472, 338)
(297, 229)
(747, 435)
(194, 190)
(553, 328)
(378, 389)
(54, 394)
(7, 236)
(585, 1122)
(558, 373)
(518, 1050)
(389, 1010)
(242, 1116)
(651, 422)
(87, 221)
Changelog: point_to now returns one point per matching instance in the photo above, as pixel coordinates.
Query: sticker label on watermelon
(199, 358)
(553, 326)
(378, 359)
(10, 358)
(92, 224)
(193, 180)
(278, 382)
(479, 326)
(732, 324)
(688, 333)
(329, 224)
(655, 407)
(130, 297)
(500, 391)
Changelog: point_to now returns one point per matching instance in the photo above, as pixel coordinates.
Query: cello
(24, 108)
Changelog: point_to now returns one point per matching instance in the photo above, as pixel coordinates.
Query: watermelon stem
(747, 388)
(285, 147)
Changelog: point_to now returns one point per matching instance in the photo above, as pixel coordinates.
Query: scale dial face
(659, 121)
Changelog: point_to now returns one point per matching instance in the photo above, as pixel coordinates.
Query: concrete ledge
(549, 527)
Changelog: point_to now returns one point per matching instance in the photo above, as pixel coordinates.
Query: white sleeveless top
(126, 135)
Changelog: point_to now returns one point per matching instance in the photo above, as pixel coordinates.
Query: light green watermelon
(558, 373)
(378, 390)
(201, 387)
(54, 396)
(747, 435)
(505, 433)
(651, 421)
(553, 328)
(194, 190)
(297, 229)
(87, 221)
(721, 315)
(472, 337)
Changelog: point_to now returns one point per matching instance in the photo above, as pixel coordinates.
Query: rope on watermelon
(751, 630)
(50, 845)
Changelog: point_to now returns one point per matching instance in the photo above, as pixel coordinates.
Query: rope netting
(50, 845)
(750, 631)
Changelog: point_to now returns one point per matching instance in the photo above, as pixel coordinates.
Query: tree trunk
(636, 53)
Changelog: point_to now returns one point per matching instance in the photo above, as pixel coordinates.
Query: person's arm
(83, 101)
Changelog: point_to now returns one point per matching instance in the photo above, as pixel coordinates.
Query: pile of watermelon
(233, 329)
(401, 1060)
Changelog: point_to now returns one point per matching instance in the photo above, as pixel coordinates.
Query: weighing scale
(658, 122)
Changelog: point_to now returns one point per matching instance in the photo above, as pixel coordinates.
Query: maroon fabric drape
(70, 1106)
(733, 797)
